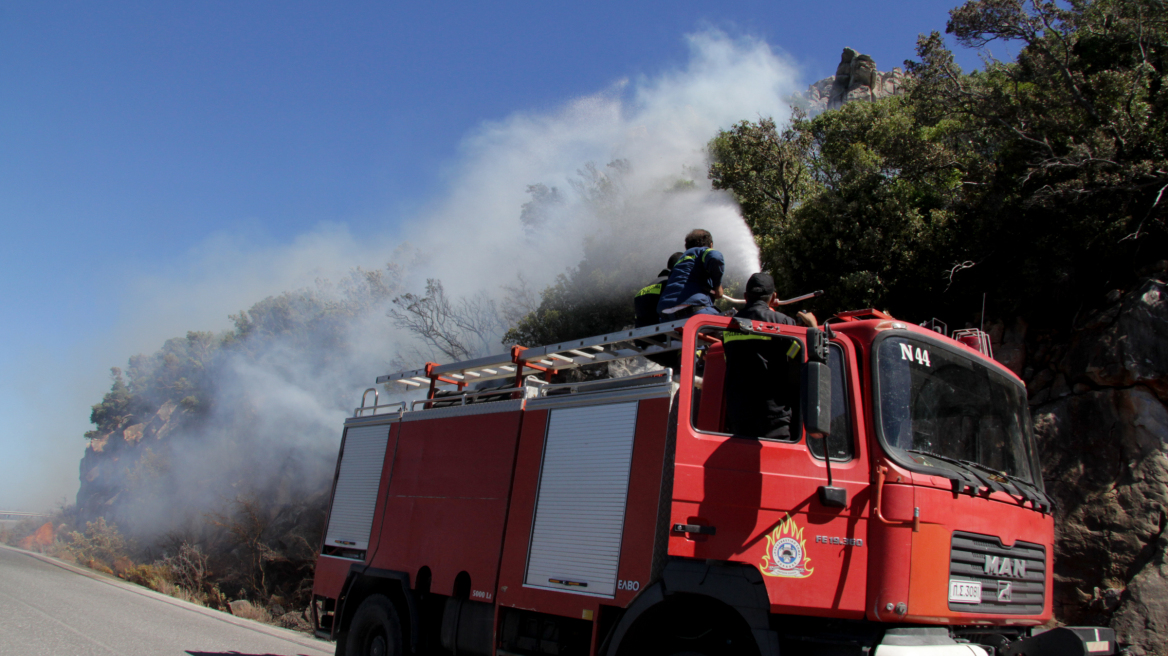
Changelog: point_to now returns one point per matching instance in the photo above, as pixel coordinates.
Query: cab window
(747, 385)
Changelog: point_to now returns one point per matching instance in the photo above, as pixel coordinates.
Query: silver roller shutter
(580, 508)
(351, 518)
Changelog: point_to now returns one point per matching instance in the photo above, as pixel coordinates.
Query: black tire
(375, 630)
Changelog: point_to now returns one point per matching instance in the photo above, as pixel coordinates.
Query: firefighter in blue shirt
(645, 302)
(696, 280)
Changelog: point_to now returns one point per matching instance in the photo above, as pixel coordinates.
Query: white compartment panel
(351, 518)
(580, 508)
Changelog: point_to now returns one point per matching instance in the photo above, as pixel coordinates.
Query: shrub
(187, 568)
(99, 546)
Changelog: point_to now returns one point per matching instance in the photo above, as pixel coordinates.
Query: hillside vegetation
(1039, 181)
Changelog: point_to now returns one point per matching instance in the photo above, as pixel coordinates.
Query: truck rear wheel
(376, 630)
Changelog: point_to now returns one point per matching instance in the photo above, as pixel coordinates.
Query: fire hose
(804, 297)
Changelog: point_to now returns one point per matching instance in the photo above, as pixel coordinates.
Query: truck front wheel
(376, 630)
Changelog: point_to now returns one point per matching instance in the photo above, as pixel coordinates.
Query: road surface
(50, 608)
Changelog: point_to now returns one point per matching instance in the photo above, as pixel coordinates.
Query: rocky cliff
(1098, 398)
(856, 78)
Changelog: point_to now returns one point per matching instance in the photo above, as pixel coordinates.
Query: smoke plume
(617, 174)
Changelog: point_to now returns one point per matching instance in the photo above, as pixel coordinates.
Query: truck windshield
(939, 402)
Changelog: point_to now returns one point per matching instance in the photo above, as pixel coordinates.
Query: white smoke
(471, 239)
(659, 125)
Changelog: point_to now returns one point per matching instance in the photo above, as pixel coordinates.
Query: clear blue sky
(132, 132)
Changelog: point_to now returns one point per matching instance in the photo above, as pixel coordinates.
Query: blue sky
(142, 143)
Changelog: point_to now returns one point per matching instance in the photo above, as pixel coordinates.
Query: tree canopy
(1034, 180)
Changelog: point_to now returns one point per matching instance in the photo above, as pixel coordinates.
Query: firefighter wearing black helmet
(761, 372)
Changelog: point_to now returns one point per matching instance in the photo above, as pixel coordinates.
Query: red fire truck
(503, 514)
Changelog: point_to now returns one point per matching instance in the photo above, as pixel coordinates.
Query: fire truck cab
(502, 514)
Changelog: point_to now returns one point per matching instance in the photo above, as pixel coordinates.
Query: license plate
(965, 592)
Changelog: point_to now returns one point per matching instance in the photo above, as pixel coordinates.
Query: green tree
(312, 322)
(588, 300)
(1034, 181)
(765, 170)
(1075, 130)
(114, 407)
(871, 210)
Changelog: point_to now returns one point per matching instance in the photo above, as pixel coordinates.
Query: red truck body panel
(446, 505)
(329, 577)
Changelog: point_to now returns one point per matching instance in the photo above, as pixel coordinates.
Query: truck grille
(1013, 579)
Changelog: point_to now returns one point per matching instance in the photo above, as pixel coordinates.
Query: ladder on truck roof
(650, 340)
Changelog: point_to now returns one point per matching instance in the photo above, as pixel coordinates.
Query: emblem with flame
(786, 552)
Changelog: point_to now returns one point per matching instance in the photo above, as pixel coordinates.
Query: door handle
(694, 528)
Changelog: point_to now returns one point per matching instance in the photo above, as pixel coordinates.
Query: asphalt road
(51, 608)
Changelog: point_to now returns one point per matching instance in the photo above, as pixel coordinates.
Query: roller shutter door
(580, 508)
(351, 518)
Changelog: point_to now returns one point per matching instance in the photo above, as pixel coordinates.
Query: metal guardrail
(18, 514)
(360, 411)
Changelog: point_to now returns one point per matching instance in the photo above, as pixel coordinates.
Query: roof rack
(650, 340)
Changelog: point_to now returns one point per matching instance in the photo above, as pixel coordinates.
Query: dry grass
(247, 611)
(179, 592)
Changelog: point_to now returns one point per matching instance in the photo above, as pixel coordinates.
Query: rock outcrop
(260, 523)
(856, 78)
(112, 459)
(1099, 410)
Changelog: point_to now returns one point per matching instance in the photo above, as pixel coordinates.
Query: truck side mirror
(816, 408)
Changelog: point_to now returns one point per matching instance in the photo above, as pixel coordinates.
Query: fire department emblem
(786, 552)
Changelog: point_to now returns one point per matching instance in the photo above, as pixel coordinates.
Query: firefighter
(761, 372)
(645, 302)
(695, 281)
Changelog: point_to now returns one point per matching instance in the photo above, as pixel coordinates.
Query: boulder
(242, 608)
(133, 433)
(294, 621)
